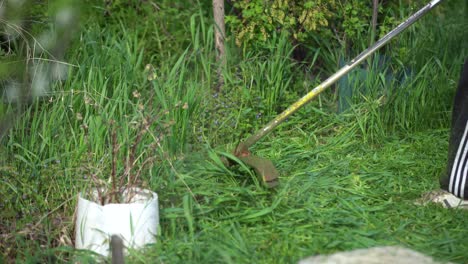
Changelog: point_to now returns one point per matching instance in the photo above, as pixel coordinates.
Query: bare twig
(115, 149)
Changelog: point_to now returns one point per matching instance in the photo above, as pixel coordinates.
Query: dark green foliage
(314, 23)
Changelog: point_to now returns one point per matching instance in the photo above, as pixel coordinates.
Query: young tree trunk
(375, 12)
(220, 32)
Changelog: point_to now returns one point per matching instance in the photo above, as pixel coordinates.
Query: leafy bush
(258, 19)
(312, 21)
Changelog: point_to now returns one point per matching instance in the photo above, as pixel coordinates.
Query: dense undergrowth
(348, 180)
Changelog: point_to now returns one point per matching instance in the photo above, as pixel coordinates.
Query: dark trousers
(455, 179)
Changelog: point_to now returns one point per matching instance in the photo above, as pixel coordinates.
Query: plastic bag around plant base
(136, 222)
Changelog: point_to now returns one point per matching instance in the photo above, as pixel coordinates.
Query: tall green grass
(269, 75)
(60, 142)
(412, 89)
(418, 102)
(347, 180)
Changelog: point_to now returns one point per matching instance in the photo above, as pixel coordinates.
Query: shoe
(444, 198)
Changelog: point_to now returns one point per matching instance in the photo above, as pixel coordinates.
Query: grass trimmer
(265, 168)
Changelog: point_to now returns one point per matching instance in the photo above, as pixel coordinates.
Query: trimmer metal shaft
(242, 150)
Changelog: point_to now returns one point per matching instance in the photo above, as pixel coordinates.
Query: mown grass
(348, 180)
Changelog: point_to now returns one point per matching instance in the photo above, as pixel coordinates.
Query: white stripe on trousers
(459, 167)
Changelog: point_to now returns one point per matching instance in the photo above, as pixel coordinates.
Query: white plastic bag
(136, 222)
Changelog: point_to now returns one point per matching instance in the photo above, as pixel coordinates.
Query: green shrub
(258, 19)
(316, 22)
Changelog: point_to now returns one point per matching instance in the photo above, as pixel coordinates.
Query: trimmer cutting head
(264, 168)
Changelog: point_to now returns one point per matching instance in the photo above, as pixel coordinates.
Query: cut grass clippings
(348, 195)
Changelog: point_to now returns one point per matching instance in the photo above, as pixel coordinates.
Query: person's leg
(455, 179)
